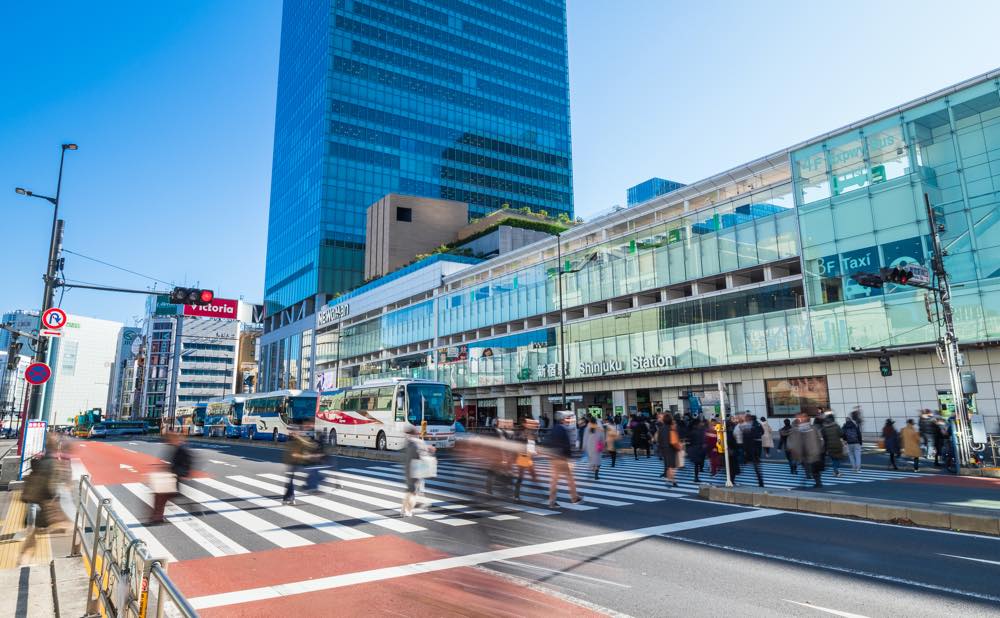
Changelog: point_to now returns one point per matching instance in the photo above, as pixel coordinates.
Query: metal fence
(125, 580)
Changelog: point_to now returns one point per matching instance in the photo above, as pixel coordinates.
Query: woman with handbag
(525, 460)
(416, 454)
(165, 483)
(611, 435)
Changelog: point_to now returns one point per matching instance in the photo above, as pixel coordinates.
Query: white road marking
(156, 549)
(281, 538)
(972, 559)
(126, 467)
(222, 463)
(830, 567)
(442, 564)
(130, 450)
(835, 612)
(204, 536)
(525, 565)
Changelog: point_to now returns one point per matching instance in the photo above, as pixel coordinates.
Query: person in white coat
(767, 441)
(593, 444)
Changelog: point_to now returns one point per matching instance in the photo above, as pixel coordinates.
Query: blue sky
(172, 105)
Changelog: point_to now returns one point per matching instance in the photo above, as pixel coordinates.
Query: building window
(404, 214)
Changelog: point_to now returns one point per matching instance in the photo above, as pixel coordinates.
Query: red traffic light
(207, 296)
(191, 296)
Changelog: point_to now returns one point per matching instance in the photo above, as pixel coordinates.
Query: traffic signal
(867, 279)
(191, 296)
(896, 274)
(13, 352)
(884, 366)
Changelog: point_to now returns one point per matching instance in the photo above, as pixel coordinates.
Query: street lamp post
(55, 240)
(562, 334)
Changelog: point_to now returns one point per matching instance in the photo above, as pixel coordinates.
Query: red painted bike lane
(111, 464)
(231, 583)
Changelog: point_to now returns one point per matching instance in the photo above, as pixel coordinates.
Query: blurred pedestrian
(940, 439)
(669, 445)
(739, 421)
(165, 487)
(593, 446)
(784, 432)
(753, 435)
(852, 436)
(41, 493)
(806, 447)
(640, 436)
(734, 450)
(713, 445)
(890, 439)
(767, 440)
(299, 451)
(833, 441)
(559, 448)
(911, 443)
(611, 435)
(581, 426)
(696, 446)
(525, 460)
(415, 452)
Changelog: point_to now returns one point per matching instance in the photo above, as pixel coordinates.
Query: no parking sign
(37, 374)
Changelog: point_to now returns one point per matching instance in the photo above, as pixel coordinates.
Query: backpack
(851, 433)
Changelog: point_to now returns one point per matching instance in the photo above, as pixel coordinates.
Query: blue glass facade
(456, 99)
(654, 187)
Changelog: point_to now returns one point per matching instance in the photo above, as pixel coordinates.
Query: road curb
(906, 513)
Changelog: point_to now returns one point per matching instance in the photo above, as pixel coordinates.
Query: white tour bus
(268, 416)
(376, 414)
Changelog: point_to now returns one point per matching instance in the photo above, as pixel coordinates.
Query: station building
(740, 279)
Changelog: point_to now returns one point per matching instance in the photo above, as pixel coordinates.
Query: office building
(123, 373)
(742, 278)
(12, 382)
(647, 190)
(82, 360)
(192, 353)
(464, 101)
(401, 226)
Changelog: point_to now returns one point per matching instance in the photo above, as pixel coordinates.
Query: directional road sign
(53, 320)
(37, 374)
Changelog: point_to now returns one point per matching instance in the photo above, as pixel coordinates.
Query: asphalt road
(665, 556)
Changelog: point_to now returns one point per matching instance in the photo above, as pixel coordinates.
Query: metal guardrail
(991, 452)
(125, 579)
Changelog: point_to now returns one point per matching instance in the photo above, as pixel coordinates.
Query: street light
(55, 237)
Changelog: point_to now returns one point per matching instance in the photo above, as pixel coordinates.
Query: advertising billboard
(223, 308)
(789, 396)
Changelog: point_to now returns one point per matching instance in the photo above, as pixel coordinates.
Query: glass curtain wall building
(457, 99)
(742, 278)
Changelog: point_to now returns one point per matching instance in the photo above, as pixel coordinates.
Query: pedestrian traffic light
(884, 366)
(191, 296)
(897, 274)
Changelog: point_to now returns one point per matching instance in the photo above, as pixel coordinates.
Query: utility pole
(951, 352)
(562, 335)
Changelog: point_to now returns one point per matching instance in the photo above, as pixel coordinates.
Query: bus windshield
(430, 402)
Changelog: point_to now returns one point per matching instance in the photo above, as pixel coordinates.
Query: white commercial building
(81, 361)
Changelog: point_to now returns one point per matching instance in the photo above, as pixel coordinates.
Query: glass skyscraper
(458, 99)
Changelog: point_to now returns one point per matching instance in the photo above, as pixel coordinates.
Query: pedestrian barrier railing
(125, 579)
(991, 456)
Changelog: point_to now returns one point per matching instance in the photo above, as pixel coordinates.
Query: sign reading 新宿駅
(223, 308)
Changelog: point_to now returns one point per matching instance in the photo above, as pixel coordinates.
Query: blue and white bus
(269, 416)
(107, 429)
(224, 417)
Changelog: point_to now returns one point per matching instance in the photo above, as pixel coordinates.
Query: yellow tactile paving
(10, 549)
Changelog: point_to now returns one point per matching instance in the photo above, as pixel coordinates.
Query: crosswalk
(239, 514)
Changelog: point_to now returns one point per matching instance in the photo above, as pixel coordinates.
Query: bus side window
(384, 398)
(352, 400)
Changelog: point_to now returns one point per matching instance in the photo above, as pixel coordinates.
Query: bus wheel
(275, 434)
(332, 437)
(380, 444)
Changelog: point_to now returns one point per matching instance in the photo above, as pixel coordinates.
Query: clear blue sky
(173, 107)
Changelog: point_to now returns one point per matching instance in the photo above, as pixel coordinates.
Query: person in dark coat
(669, 445)
(640, 436)
(180, 466)
(696, 446)
(783, 445)
(833, 441)
(734, 449)
(753, 435)
(890, 438)
(559, 447)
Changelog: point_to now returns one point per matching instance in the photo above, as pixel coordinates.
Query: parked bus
(105, 429)
(269, 416)
(224, 416)
(377, 413)
(83, 422)
(184, 421)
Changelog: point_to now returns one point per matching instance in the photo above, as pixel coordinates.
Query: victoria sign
(219, 308)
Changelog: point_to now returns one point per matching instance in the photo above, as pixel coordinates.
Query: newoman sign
(219, 308)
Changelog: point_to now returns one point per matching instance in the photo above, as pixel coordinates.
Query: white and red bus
(376, 414)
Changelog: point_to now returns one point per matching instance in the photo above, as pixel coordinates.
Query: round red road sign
(37, 374)
(54, 318)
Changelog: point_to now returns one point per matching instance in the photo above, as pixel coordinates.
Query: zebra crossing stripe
(330, 505)
(201, 534)
(156, 549)
(395, 475)
(277, 536)
(322, 524)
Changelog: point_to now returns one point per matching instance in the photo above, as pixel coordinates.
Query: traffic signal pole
(951, 351)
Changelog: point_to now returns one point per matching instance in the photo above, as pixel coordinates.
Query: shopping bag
(424, 468)
(163, 482)
(523, 460)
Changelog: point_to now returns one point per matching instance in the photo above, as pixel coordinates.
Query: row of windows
(441, 94)
(209, 346)
(203, 384)
(404, 124)
(204, 372)
(502, 184)
(532, 80)
(526, 50)
(538, 32)
(209, 359)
